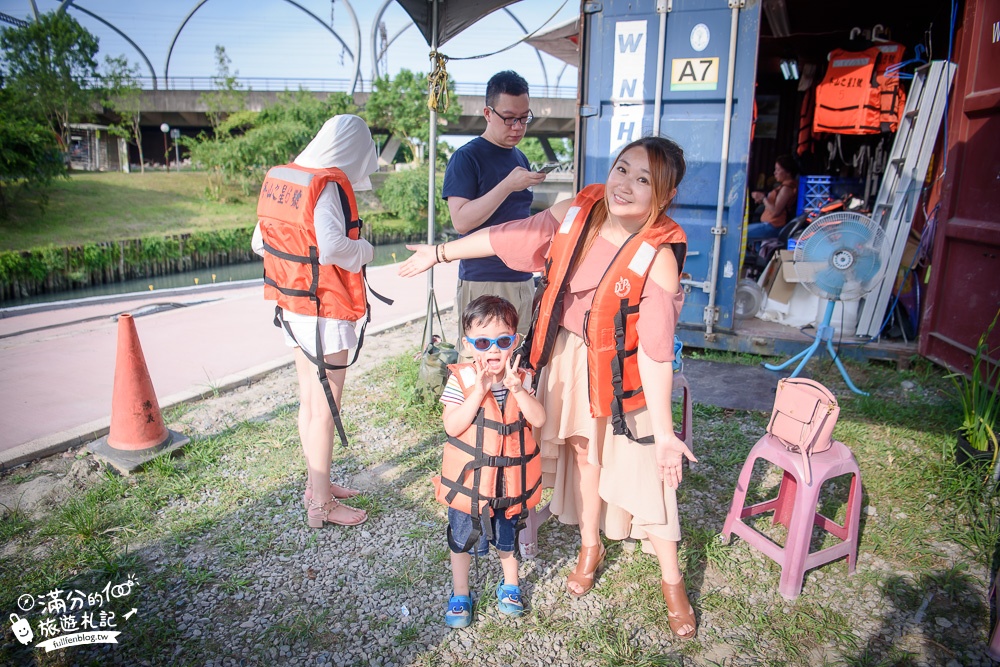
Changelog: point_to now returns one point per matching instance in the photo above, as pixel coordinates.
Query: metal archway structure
(350, 11)
(69, 3)
(545, 73)
(376, 52)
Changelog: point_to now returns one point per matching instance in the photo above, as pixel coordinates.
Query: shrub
(404, 194)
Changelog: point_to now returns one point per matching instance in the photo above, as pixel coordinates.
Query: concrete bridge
(555, 117)
(181, 106)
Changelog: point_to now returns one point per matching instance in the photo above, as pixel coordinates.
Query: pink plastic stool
(993, 648)
(795, 508)
(528, 537)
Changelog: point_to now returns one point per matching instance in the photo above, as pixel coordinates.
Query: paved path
(57, 360)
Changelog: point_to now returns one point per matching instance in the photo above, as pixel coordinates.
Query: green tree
(50, 70)
(228, 95)
(532, 149)
(404, 194)
(30, 157)
(248, 143)
(123, 96)
(399, 106)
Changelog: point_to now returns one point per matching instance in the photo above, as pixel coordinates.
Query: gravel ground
(375, 594)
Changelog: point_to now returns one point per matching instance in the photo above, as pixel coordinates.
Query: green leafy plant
(404, 194)
(980, 403)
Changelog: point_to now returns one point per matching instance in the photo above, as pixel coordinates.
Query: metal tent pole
(431, 173)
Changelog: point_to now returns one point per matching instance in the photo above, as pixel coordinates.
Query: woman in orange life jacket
(344, 143)
(591, 455)
(778, 203)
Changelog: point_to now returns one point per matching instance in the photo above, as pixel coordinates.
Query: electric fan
(839, 257)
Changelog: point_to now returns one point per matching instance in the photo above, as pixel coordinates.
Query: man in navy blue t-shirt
(488, 182)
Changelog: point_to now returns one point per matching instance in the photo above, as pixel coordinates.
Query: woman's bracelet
(437, 254)
(444, 257)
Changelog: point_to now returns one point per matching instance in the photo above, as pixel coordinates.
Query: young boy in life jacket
(491, 474)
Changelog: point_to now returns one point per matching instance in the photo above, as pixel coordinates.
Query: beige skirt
(636, 503)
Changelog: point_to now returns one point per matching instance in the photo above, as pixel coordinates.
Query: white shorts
(336, 335)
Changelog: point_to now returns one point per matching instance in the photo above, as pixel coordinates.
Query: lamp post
(175, 134)
(164, 128)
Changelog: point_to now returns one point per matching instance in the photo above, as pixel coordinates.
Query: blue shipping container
(620, 45)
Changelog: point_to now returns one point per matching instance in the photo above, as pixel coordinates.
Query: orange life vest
(891, 96)
(494, 465)
(609, 326)
(855, 96)
(293, 275)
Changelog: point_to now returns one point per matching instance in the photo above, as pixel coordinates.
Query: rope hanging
(437, 99)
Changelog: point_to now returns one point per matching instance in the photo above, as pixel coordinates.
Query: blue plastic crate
(816, 191)
(813, 193)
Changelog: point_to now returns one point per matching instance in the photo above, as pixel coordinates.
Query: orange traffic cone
(137, 432)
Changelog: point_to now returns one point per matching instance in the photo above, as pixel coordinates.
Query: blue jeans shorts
(504, 532)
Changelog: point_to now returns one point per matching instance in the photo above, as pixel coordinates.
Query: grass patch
(14, 522)
(109, 206)
(185, 526)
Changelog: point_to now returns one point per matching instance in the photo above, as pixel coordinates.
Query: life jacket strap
(506, 428)
(288, 291)
(289, 257)
(619, 426)
(322, 366)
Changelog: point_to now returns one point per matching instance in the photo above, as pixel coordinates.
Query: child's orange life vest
(494, 465)
(609, 326)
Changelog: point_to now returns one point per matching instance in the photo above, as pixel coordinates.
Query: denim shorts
(504, 532)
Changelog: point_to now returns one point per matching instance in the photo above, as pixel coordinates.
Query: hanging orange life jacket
(494, 465)
(855, 96)
(609, 326)
(293, 275)
(892, 99)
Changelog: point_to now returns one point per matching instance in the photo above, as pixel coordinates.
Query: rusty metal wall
(964, 292)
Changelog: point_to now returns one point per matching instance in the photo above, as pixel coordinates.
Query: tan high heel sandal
(319, 514)
(676, 597)
(587, 564)
(336, 491)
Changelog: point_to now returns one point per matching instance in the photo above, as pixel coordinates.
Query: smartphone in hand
(548, 167)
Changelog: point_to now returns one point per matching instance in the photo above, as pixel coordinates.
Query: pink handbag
(803, 418)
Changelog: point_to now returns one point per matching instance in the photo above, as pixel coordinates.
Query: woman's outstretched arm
(425, 256)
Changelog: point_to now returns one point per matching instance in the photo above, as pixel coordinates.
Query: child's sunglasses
(483, 343)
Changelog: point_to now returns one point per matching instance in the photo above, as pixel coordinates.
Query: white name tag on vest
(568, 219)
(526, 383)
(642, 259)
(468, 376)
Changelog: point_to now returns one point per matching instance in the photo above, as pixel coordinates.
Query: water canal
(384, 254)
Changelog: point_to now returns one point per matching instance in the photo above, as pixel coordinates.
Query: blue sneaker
(509, 599)
(459, 614)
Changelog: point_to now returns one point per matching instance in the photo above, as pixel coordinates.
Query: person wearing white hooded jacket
(345, 143)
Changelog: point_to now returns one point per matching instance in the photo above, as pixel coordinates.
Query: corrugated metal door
(964, 289)
(618, 84)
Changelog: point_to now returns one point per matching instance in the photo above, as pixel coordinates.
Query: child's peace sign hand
(510, 378)
(482, 382)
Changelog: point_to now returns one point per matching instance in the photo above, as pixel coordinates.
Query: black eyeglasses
(511, 121)
(482, 343)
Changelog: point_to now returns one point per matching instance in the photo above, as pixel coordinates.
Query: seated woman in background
(779, 203)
